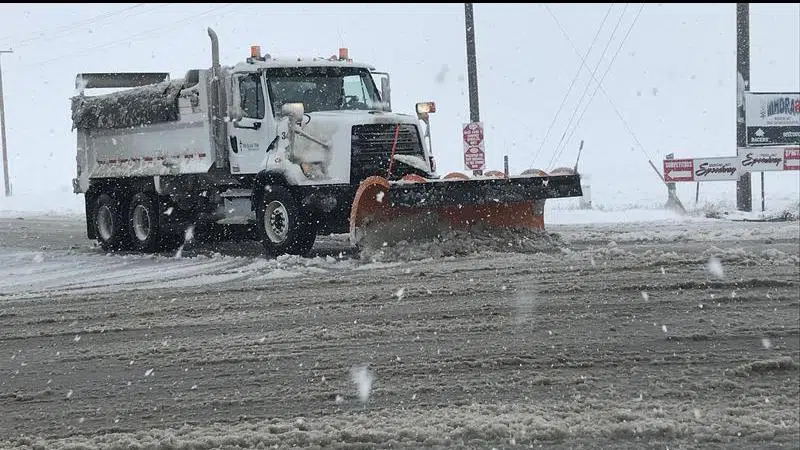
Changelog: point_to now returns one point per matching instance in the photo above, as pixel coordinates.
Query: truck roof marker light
(255, 51)
(343, 53)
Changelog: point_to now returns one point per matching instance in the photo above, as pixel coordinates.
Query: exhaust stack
(219, 104)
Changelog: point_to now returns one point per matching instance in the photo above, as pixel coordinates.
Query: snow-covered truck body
(289, 147)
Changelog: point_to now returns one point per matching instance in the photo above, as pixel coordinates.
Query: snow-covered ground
(637, 328)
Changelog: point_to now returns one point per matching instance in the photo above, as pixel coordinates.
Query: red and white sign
(678, 170)
(791, 158)
(474, 149)
(474, 158)
(473, 133)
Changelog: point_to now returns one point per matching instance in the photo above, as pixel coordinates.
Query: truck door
(252, 133)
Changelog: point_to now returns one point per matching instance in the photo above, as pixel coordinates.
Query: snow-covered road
(679, 333)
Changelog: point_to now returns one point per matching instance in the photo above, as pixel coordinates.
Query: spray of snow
(422, 237)
(362, 377)
(188, 235)
(714, 266)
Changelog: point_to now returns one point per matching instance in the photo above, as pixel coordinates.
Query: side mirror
(386, 92)
(382, 79)
(235, 111)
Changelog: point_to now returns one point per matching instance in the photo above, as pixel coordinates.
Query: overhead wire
(602, 78)
(66, 29)
(605, 93)
(588, 83)
(572, 83)
(146, 34)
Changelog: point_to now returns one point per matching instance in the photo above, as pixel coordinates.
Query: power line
(572, 83)
(143, 34)
(599, 86)
(588, 83)
(602, 89)
(60, 31)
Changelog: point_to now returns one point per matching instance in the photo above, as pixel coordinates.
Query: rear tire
(143, 222)
(109, 224)
(284, 228)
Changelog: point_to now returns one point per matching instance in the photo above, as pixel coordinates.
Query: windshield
(322, 88)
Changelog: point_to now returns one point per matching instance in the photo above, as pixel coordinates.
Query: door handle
(255, 126)
(234, 144)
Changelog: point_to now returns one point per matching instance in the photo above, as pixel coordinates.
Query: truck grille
(372, 147)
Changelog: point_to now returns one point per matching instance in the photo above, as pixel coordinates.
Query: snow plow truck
(289, 149)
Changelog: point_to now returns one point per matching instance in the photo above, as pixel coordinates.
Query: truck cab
(318, 121)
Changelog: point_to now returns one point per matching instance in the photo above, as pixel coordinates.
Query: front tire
(109, 224)
(283, 227)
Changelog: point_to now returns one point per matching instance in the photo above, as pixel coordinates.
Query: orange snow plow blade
(418, 208)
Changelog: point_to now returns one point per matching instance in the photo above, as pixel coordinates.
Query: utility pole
(472, 69)
(3, 129)
(744, 195)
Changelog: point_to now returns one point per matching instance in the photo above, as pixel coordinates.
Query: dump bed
(162, 128)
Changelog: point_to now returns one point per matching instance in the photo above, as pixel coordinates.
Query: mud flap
(416, 208)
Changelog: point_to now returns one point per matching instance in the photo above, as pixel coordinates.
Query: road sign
(474, 148)
(678, 170)
(474, 158)
(473, 133)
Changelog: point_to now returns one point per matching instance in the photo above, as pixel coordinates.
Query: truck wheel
(143, 223)
(109, 224)
(282, 225)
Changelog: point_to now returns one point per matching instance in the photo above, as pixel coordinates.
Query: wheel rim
(141, 223)
(276, 222)
(105, 223)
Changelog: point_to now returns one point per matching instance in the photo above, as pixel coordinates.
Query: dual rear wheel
(137, 224)
(132, 225)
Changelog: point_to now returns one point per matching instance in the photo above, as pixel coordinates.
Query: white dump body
(182, 146)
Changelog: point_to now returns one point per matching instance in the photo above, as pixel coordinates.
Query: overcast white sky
(673, 80)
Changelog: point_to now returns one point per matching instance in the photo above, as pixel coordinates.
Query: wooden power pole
(3, 131)
(744, 195)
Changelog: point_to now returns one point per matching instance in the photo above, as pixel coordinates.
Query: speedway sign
(702, 169)
(758, 159)
(765, 159)
(724, 168)
(772, 118)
